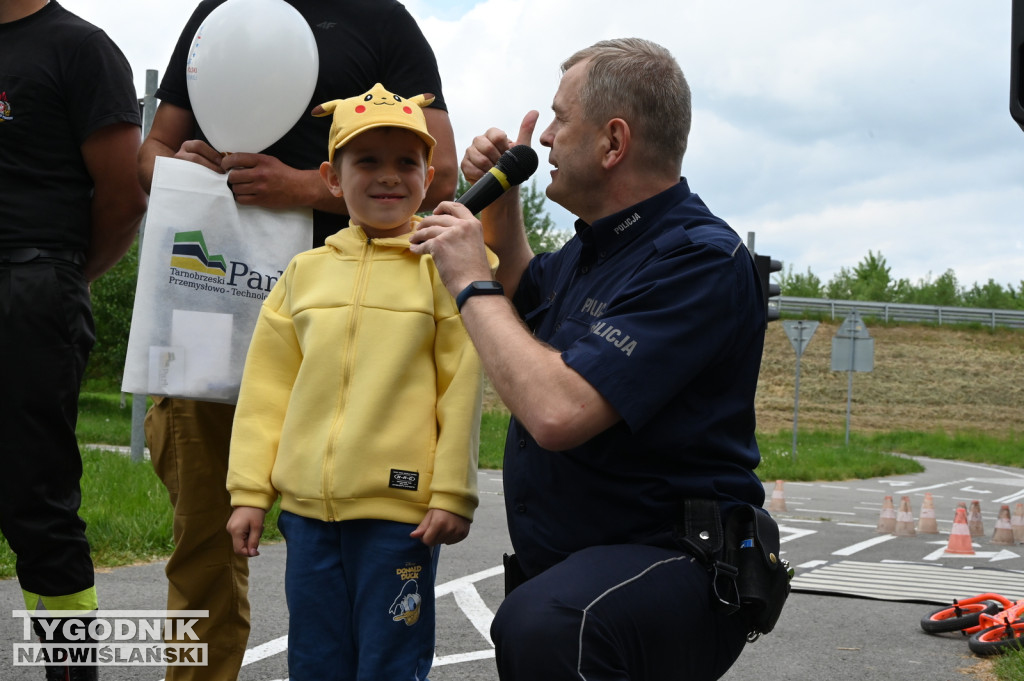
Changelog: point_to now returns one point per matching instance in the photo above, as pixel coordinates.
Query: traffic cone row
(966, 524)
(1009, 530)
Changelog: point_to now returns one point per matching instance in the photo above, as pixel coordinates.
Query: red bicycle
(994, 623)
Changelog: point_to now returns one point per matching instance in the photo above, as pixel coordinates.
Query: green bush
(113, 297)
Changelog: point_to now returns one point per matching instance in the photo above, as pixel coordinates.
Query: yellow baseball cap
(375, 108)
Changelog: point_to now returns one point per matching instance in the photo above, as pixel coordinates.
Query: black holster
(514, 575)
(748, 576)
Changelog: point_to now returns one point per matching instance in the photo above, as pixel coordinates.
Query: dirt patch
(980, 670)
(924, 379)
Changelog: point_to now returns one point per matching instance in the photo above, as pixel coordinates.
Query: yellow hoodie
(361, 394)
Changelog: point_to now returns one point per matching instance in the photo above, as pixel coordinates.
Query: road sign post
(853, 349)
(799, 333)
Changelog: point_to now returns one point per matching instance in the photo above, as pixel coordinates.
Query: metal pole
(796, 392)
(138, 442)
(849, 386)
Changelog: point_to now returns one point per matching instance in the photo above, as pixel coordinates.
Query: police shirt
(658, 307)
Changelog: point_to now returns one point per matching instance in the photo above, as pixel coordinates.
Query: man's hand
(454, 238)
(200, 152)
(246, 527)
(265, 181)
(486, 149)
(441, 527)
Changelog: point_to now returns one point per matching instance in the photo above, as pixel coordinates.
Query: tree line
(871, 280)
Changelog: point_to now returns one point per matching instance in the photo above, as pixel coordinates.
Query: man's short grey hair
(641, 82)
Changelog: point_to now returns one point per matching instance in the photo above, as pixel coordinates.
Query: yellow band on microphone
(500, 177)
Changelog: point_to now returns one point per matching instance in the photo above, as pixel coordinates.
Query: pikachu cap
(376, 108)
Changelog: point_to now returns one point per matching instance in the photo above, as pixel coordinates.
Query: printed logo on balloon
(251, 73)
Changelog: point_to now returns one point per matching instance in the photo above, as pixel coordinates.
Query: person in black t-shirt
(71, 206)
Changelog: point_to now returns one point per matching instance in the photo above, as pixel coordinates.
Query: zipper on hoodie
(362, 275)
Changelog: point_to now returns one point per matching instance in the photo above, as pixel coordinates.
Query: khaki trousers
(189, 442)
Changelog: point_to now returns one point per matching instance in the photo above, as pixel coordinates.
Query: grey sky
(827, 128)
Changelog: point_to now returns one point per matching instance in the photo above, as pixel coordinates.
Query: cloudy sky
(828, 129)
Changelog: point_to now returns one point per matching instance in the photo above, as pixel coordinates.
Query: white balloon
(251, 73)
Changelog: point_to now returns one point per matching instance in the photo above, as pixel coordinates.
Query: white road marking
(855, 548)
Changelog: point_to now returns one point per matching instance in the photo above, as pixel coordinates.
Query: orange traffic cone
(778, 502)
(1004, 530)
(1017, 523)
(974, 522)
(904, 520)
(960, 536)
(927, 523)
(887, 519)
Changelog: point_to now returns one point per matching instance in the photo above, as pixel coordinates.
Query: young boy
(360, 408)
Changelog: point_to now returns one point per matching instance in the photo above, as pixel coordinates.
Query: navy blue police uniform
(659, 308)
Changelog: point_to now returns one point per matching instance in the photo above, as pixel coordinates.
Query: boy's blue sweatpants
(360, 600)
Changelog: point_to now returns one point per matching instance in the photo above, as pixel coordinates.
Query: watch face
(487, 286)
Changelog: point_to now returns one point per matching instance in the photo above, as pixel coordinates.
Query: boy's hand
(246, 527)
(441, 527)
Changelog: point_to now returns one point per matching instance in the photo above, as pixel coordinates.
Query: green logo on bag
(190, 253)
(192, 266)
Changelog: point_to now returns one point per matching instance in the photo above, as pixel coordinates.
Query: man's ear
(618, 140)
(331, 178)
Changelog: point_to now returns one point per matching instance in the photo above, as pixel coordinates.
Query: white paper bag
(206, 265)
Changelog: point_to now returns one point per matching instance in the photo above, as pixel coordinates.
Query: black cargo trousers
(46, 334)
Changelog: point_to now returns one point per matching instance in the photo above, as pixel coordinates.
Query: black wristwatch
(478, 288)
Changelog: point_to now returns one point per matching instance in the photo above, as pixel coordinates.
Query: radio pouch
(752, 547)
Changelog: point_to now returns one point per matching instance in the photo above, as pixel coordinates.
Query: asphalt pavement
(820, 636)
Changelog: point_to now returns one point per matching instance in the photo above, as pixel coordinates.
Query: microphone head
(518, 163)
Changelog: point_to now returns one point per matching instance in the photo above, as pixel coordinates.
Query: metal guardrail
(903, 312)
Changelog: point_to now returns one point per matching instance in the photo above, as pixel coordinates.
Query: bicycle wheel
(957, 617)
(998, 639)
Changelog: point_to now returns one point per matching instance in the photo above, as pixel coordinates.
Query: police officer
(629, 361)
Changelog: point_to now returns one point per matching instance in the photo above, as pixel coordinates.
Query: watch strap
(478, 288)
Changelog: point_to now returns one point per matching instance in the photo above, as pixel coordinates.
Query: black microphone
(514, 166)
